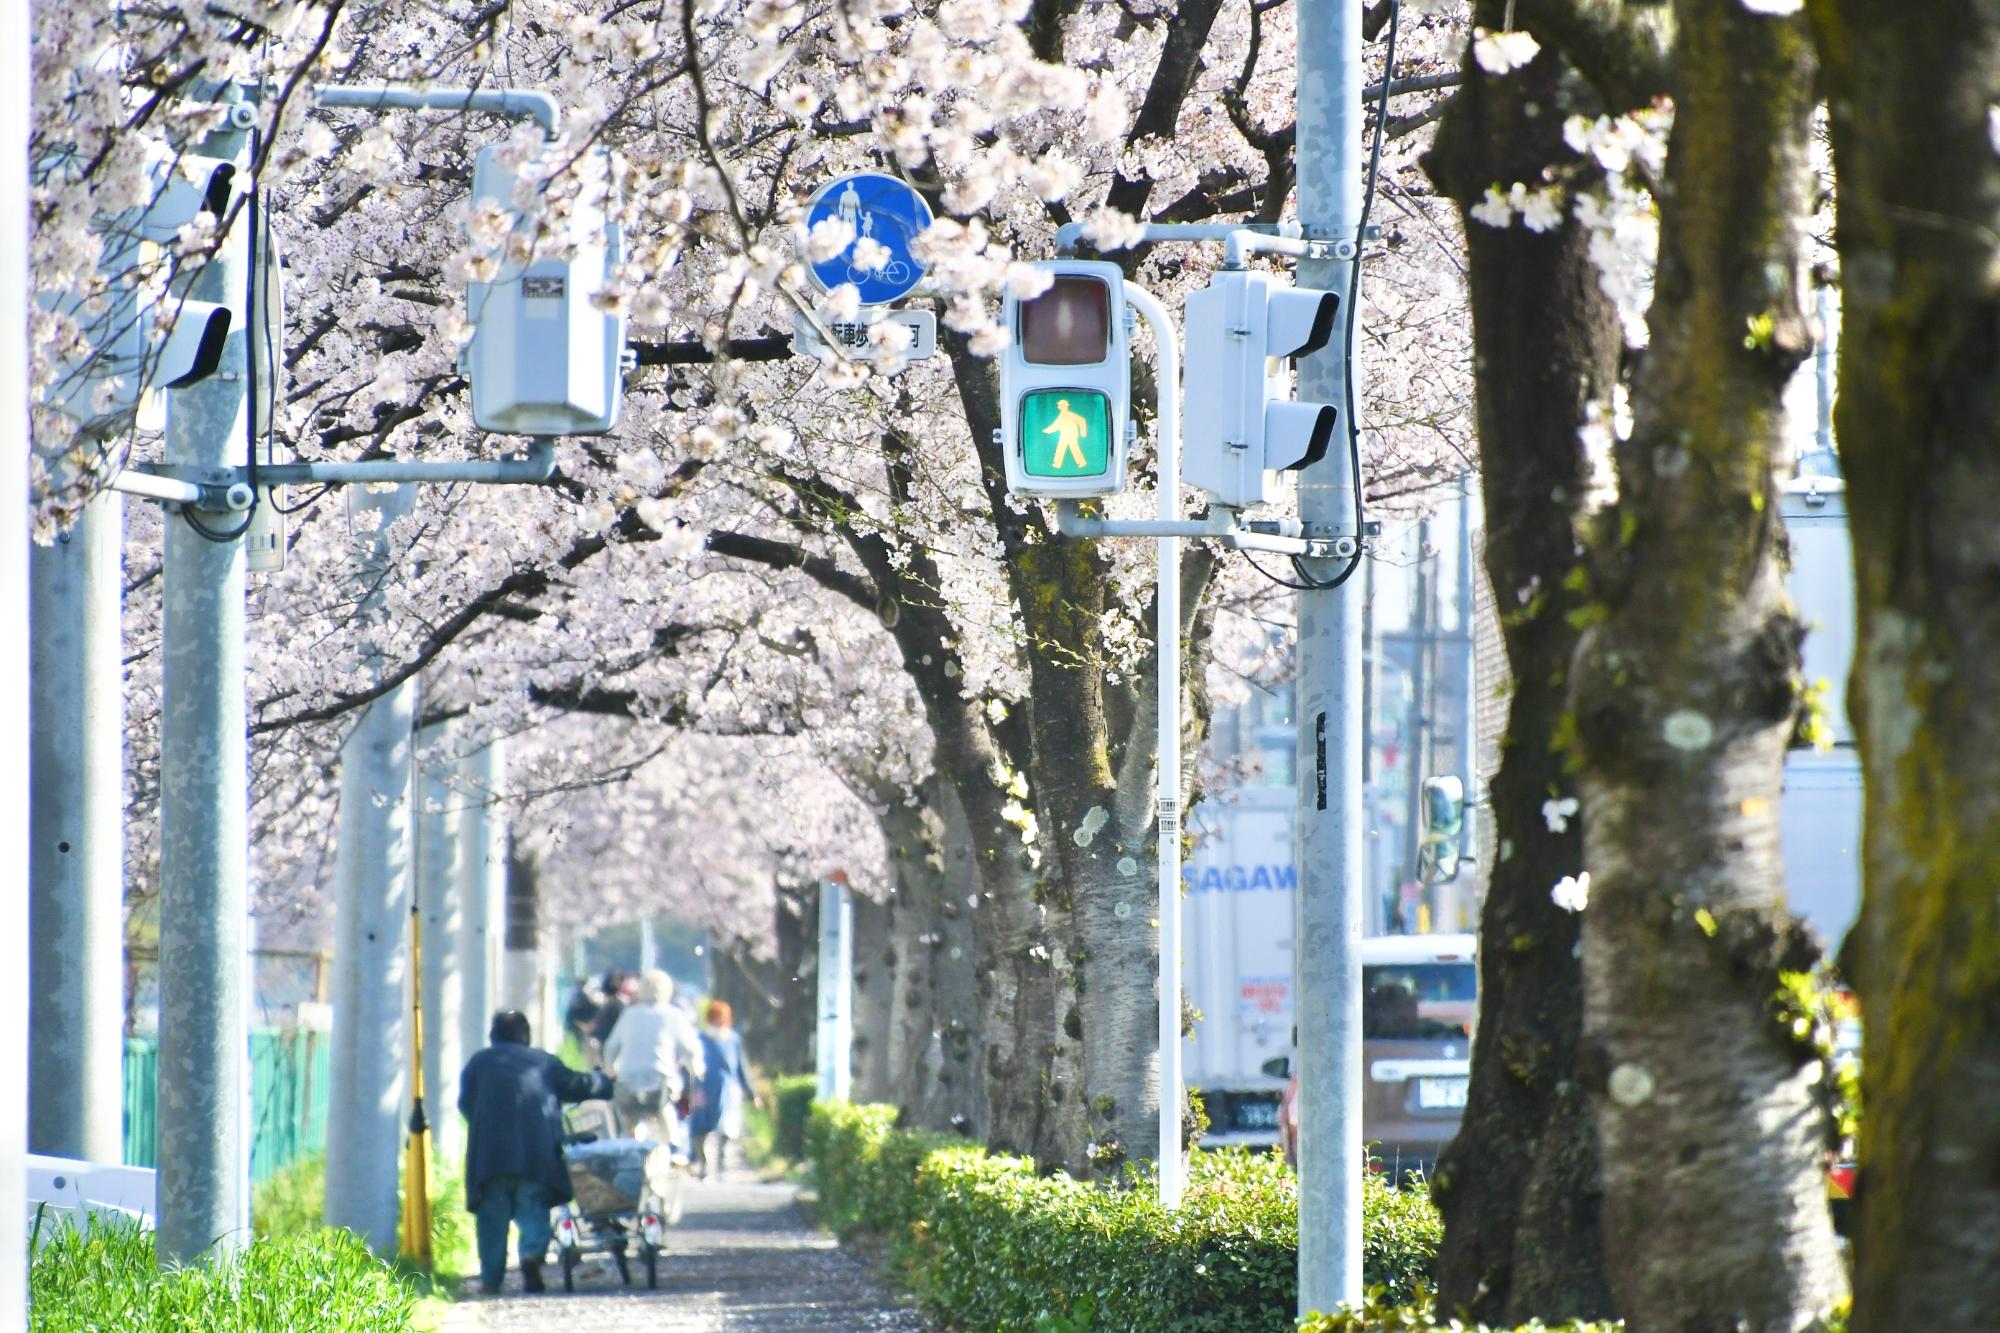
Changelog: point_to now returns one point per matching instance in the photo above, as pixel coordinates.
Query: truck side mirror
(1278, 1066)
(1443, 809)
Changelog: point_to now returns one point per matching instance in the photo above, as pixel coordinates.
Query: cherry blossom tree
(773, 546)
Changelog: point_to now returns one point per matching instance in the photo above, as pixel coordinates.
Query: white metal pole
(204, 805)
(442, 908)
(843, 1018)
(649, 953)
(1167, 635)
(834, 1047)
(14, 84)
(76, 811)
(1327, 975)
(372, 886)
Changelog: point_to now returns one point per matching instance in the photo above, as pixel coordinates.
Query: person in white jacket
(651, 1054)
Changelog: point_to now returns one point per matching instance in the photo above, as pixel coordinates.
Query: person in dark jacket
(511, 1096)
(618, 992)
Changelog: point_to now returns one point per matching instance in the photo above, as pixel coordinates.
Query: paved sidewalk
(743, 1258)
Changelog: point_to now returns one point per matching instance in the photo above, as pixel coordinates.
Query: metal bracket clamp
(1341, 249)
(216, 490)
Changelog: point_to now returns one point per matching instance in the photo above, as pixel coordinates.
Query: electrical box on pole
(1066, 384)
(1241, 424)
(139, 332)
(547, 355)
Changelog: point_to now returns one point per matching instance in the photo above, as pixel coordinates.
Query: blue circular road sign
(879, 208)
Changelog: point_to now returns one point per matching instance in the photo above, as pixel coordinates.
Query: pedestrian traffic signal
(1066, 383)
(1240, 423)
(547, 355)
(138, 332)
(1443, 843)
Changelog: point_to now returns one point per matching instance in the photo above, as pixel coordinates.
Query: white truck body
(1820, 818)
(1236, 958)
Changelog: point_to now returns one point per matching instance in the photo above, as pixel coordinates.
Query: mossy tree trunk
(1518, 1187)
(1910, 92)
(933, 1032)
(1684, 692)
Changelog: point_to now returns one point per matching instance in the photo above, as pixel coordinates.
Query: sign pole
(1167, 638)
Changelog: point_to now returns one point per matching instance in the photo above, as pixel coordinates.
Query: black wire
(252, 284)
(1280, 580)
(304, 504)
(1353, 311)
(210, 534)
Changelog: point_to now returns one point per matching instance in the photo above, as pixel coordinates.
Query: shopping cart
(626, 1191)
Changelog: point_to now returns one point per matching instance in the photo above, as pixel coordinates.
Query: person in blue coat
(725, 1083)
(511, 1096)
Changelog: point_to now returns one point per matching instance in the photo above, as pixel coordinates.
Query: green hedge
(1385, 1317)
(989, 1244)
(105, 1276)
(793, 1094)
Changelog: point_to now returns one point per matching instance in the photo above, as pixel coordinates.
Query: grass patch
(106, 1275)
(292, 1202)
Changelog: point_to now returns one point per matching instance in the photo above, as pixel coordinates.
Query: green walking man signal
(1065, 433)
(1066, 383)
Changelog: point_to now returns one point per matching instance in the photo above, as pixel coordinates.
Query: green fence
(289, 1069)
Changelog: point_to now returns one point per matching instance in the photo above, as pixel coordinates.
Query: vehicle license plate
(1257, 1115)
(1441, 1094)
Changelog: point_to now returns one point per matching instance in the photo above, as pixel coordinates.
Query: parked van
(1419, 1006)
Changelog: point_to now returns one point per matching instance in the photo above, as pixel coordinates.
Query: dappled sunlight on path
(744, 1257)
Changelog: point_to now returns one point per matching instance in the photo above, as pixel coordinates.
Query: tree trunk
(874, 990)
(934, 1016)
(521, 958)
(1518, 1186)
(1713, 1131)
(748, 985)
(1919, 429)
(799, 977)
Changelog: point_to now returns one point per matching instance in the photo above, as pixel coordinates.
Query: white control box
(545, 357)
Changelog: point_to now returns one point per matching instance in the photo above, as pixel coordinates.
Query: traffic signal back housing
(1241, 425)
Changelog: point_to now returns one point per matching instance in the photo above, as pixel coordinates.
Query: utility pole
(1421, 716)
(76, 797)
(482, 878)
(14, 308)
(205, 793)
(1331, 735)
(442, 906)
(372, 879)
(1468, 624)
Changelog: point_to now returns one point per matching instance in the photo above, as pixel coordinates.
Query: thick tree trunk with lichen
(1518, 1186)
(1919, 429)
(1684, 692)
(933, 1036)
